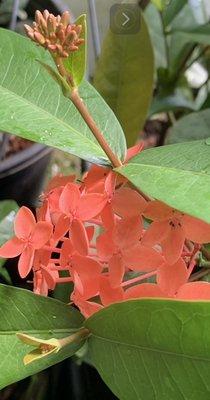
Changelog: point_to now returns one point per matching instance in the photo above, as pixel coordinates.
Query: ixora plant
(131, 236)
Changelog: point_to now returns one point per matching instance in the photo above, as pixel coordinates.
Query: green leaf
(8, 209)
(197, 34)
(160, 4)
(57, 78)
(124, 77)
(178, 175)
(180, 47)
(172, 10)
(33, 106)
(76, 62)
(170, 103)
(191, 127)
(24, 312)
(153, 349)
(155, 26)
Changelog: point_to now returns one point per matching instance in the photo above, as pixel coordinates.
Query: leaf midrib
(23, 99)
(149, 349)
(168, 169)
(39, 332)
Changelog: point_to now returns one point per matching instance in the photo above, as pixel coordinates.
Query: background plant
(157, 172)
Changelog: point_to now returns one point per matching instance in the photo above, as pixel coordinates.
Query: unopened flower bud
(39, 38)
(38, 17)
(51, 23)
(65, 18)
(60, 33)
(52, 47)
(46, 14)
(55, 33)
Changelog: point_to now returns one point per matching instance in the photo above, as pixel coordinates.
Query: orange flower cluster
(96, 234)
(55, 33)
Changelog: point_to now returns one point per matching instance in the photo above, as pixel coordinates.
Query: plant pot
(22, 175)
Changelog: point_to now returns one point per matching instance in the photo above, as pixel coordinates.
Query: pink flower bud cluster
(56, 34)
(95, 234)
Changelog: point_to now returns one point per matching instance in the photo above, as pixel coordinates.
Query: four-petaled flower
(29, 237)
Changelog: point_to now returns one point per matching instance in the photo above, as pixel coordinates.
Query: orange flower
(30, 236)
(170, 228)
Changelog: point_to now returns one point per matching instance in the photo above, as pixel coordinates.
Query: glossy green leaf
(155, 26)
(172, 10)
(124, 77)
(33, 106)
(174, 102)
(191, 127)
(22, 311)
(57, 78)
(178, 175)
(197, 34)
(153, 349)
(8, 209)
(180, 46)
(76, 62)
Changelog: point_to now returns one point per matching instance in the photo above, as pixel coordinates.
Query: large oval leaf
(124, 77)
(153, 349)
(178, 174)
(191, 127)
(32, 105)
(22, 311)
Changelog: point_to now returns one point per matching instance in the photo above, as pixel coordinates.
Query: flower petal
(12, 248)
(128, 203)
(172, 245)
(133, 151)
(196, 230)
(108, 217)
(69, 199)
(91, 205)
(88, 271)
(156, 210)
(144, 290)
(116, 271)
(156, 233)
(194, 291)
(87, 308)
(61, 227)
(95, 177)
(105, 246)
(41, 234)
(171, 277)
(24, 223)
(79, 237)
(25, 262)
(49, 276)
(127, 232)
(90, 232)
(109, 295)
(66, 253)
(110, 183)
(142, 258)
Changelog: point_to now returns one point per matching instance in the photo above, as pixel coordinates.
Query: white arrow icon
(127, 19)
